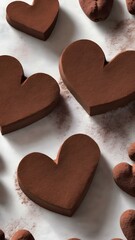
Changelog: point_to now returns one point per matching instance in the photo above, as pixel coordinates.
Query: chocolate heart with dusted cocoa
(98, 86)
(127, 222)
(24, 101)
(131, 6)
(60, 186)
(124, 176)
(37, 20)
(96, 10)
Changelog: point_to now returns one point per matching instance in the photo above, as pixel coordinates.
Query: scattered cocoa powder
(15, 225)
(23, 198)
(120, 36)
(61, 116)
(64, 91)
(113, 127)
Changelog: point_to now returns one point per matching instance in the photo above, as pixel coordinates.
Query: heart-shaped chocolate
(60, 186)
(124, 176)
(96, 10)
(37, 20)
(98, 86)
(23, 102)
(127, 222)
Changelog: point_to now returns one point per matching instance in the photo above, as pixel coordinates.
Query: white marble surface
(98, 216)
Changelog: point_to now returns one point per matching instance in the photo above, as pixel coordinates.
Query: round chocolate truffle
(2, 235)
(22, 235)
(131, 151)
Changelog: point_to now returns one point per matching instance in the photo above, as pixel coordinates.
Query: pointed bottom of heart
(60, 186)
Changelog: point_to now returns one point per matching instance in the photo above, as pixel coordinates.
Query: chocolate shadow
(56, 123)
(117, 121)
(62, 35)
(2, 165)
(4, 196)
(116, 16)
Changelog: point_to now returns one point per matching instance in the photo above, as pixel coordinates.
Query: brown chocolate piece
(116, 239)
(97, 85)
(131, 6)
(123, 175)
(60, 186)
(37, 20)
(127, 222)
(2, 235)
(22, 235)
(131, 151)
(23, 102)
(97, 10)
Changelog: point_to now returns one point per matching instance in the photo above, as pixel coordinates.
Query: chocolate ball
(2, 235)
(131, 151)
(22, 235)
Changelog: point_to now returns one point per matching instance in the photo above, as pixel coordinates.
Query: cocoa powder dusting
(113, 127)
(120, 36)
(61, 115)
(23, 198)
(16, 225)
(64, 91)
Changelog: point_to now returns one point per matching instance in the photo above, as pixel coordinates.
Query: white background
(98, 216)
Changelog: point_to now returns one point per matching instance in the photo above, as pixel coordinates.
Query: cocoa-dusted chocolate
(60, 186)
(123, 175)
(131, 151)
(131, 6)
(97, 10)
(22, 235)
(37, 20)
(127, 222)
(97, 85)
(24, 101)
